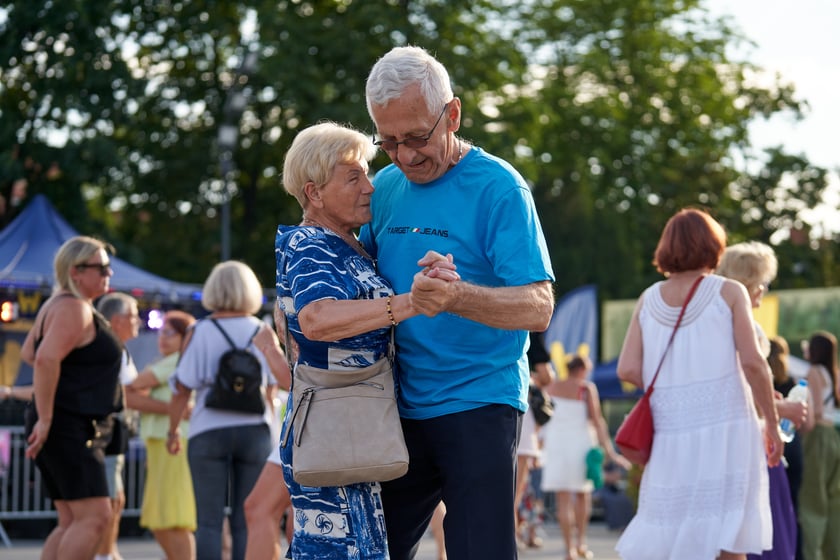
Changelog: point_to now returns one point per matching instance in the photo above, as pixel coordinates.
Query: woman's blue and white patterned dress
(313, 264)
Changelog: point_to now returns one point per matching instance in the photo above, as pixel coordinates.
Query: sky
(800, 41)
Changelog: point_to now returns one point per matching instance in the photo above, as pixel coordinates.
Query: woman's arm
(596, 415)
(268, 344)
(816, 385)
(755, 366)
(330, 320)
(630, 360)
(17, 392)
(177, 406)
(139, 399)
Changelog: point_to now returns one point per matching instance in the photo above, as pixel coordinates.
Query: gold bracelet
(389, 311)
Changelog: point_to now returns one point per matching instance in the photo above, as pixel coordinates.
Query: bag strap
(676, 326)
(227, 336)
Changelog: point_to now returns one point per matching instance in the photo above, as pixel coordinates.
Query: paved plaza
(601, 542)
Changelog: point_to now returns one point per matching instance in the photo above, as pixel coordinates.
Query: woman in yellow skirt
(168, 502)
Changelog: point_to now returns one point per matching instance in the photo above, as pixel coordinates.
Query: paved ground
(601, 542)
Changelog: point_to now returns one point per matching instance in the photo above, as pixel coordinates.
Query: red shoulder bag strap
(676, 326)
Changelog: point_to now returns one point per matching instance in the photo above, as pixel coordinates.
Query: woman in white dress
(576, 426)
(704, 492)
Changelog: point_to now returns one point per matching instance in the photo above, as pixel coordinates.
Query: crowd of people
(451, 269)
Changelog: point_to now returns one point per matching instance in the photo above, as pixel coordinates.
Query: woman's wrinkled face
(757, 292)
(344, 201)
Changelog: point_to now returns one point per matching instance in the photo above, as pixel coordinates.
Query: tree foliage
(617, 112)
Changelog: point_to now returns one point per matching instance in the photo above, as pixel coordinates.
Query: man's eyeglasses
(104, 268)
(413, 143)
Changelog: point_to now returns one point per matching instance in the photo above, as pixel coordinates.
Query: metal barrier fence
(22, 494)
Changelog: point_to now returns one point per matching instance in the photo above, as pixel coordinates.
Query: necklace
(350, 239)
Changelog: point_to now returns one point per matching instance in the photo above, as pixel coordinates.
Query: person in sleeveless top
(76, 361)
(704, 491)
(576, 427)
(819, 497)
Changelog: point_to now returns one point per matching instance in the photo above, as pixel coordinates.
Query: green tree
(634, 111)
(618, 112)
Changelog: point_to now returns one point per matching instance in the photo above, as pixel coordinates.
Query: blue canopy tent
(609, 385)
(29, 243)
(27, 248)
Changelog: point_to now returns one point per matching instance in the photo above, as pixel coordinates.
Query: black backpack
(238, 386)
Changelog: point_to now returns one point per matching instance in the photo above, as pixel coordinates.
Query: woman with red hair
(704, 491)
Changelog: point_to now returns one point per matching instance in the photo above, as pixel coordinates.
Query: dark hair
(691, 240)
(822, 350)
(579, 362)
(778, 359)
(179, 320)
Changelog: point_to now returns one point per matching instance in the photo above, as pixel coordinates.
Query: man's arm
(527, 307)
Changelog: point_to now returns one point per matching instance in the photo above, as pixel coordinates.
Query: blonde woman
(76, 359)
(754, 265)
(226, 449)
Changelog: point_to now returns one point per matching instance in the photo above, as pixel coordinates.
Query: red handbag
(634, 438)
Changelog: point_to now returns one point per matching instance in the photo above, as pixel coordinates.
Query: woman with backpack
(229, 432)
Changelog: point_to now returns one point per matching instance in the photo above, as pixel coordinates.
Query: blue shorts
(468, 460)
(114, 474)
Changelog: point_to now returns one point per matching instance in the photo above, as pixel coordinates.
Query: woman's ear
(313, 194)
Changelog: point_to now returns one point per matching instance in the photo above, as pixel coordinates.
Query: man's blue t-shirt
(483, 213)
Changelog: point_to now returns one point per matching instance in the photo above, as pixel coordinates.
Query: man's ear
(454, 115)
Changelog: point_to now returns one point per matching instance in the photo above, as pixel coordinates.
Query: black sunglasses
(413, 143)
(104, 268)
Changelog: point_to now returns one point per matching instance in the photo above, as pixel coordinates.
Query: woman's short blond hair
(751, 263)
(73, 252)
(232, 286)
(316, 151)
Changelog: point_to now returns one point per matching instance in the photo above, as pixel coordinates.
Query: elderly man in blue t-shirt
(463, 375)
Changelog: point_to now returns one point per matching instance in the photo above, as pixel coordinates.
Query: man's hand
(434, 287)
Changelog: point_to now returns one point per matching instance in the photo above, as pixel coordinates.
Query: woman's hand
(173, 442)
(796, 412)
(439, 266)
(773, 445)
(620, 460)
(37, 438)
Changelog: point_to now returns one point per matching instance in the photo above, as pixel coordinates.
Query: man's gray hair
(115, 303)
(402, 67)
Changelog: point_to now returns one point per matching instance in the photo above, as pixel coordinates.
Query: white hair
(402, 67)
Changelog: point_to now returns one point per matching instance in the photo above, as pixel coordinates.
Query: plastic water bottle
(799, 393)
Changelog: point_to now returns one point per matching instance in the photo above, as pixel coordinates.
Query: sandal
(535, 542)
(584, 553)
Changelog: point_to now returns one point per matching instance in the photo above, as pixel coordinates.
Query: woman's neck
(347, 236)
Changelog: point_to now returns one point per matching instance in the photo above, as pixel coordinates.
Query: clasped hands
(435, 287)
